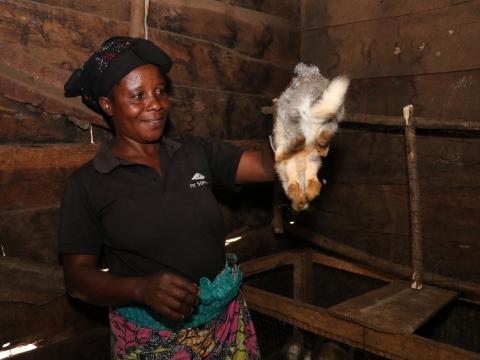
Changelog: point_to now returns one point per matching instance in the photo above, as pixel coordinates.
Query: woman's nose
(157, 102)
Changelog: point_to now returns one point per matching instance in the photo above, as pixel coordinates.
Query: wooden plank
(21, 157)
(249, 32)
(368, 157)
(303, 277)
(194, 111)
(35, 176)
(17, 57)
(86, 345)
(321, 322)
(445, 95)
(446, 256)
(316, 14)
(59, 319)
(45, 28)
(219, 114)
(451, 240)
(24, 123)
(284, 8)
(217, 110)
(256, 243)
(245, 31)
(349, 207)
(349, 266)
(362, 157)
(471, 289)
(30, 234)
(395, 308)
(120, 8)
(197, 63)
(16, 86)
(29, 282)
(416, 234)
(256, 266)
(390, 247)
(422, 123)
(441, 41)
(26, 128)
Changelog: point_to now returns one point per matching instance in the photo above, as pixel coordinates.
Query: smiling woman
(144, 208)
(138, 107)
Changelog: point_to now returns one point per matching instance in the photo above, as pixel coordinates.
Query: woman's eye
(139, 96)
(160, 91)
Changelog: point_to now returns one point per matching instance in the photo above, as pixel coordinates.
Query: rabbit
(306, 117)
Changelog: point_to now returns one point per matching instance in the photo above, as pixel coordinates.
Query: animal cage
(312, 296)
(371, 310)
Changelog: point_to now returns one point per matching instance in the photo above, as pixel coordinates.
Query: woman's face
(139, 106)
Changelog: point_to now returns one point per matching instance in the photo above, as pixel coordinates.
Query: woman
(143, 208)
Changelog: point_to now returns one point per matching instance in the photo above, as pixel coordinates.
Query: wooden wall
(399, 52)
(230, 59)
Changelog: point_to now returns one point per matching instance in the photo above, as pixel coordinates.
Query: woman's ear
(106, 105)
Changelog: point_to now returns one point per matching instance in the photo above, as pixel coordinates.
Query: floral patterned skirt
(230, 335)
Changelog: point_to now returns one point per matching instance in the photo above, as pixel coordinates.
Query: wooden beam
(321, 322)
(93, 343)
(137, 25)
(319, 14)
(255, 266)
(396, 308)
(250, 32)
(416, 235)
(437, 41)
(356, 268)
(360, 157)
(397, 121)
(303, 276)
(17, 86)
(436, 96)
(421, 122)
(57, 320)
(469, 289)
(29, 282)
(197, 63)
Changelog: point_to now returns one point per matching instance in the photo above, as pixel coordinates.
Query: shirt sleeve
(223, 159)
(80, 231)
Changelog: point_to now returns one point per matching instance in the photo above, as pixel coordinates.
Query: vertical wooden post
(277, 220)
(302, 286)
(137, 26)
(303, 276)
(414, 197)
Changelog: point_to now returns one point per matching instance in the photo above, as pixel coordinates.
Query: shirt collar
(105, 161)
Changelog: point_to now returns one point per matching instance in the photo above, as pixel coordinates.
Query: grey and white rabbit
(307, 114)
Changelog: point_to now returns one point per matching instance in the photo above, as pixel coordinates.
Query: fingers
(185, 284)
(172, 295)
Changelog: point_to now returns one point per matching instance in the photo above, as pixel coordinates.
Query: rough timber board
(395, 308)
(320, 321)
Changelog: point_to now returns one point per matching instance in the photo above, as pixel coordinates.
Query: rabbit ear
(332, 98)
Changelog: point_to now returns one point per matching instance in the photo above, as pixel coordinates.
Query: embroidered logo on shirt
(198, 180)
(198, 176)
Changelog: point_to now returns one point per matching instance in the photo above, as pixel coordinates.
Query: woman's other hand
(171, 295)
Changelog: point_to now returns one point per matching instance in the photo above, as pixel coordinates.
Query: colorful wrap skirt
(221, 328)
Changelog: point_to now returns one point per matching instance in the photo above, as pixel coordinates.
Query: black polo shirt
(143, 222)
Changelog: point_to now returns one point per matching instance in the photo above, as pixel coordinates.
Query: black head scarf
(115, 59)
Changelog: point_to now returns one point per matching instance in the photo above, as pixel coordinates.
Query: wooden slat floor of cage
(395, 308)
